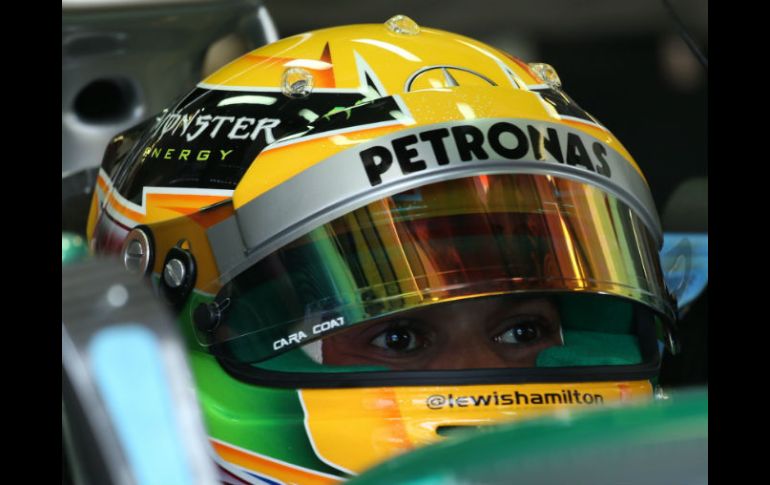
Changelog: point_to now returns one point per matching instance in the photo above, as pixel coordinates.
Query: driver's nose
(467, 352)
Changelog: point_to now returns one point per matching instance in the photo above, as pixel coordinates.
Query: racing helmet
(376, 235)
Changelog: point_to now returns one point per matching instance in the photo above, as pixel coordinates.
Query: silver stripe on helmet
(341, 183)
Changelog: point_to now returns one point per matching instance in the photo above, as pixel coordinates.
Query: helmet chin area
(355, 416)
(358, 415)
(383, 421)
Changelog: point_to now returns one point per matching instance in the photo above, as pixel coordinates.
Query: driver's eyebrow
(550, 317)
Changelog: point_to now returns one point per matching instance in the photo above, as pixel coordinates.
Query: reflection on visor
(449, 241)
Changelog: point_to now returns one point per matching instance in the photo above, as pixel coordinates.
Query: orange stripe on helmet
(270, 468)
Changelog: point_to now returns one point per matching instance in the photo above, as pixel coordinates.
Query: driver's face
(470, 334)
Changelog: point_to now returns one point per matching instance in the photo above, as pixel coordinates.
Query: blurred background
(625, 62)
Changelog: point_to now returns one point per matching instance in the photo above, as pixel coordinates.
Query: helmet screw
(207, 316)
(179, 274)
(402, 25)
(137, 251)
(547, 73)
(296, 83)
(133, 255)
(174, 273)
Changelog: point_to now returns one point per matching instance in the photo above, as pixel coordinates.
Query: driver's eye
(399, 339)
(520, 333)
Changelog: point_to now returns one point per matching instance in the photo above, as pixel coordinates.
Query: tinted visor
(467, 238)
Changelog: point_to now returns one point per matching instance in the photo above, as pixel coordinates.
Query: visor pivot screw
(207, 316)
(179, 274)
(547, 73)
(174, 273)
(402, 25)
(296, 83)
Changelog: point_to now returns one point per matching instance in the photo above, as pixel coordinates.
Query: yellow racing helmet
(376, 234)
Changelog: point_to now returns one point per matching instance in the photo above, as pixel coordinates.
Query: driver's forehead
(483, 309)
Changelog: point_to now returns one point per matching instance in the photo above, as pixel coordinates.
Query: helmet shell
(244, 164)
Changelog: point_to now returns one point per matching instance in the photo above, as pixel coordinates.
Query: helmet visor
(482, 236)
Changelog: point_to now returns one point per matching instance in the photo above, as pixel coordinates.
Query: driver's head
(390, 226)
